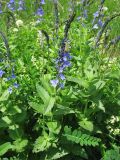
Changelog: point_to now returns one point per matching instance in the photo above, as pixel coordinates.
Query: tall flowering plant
(63, 60)
(7, 71)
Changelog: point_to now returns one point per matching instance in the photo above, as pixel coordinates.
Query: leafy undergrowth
(59, 80)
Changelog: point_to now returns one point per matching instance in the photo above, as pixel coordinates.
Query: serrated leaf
(54, 127)
(56, 154)
(83, 139)
(20, 144)
(40, 144)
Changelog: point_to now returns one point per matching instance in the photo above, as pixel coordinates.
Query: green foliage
(4, 148)
(113, 154)
(48, 100)
(42, 122)
(42, 143)
(78, 137)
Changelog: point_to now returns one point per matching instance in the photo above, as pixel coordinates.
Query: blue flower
(54, 82)
(42, 2)
(1, 73)
(85, 14)
(11, 5)
(96, 14)
(62, 62)
(10, 90)
(62, 77)
(1, 8)
(66, 64)
(79, 17)
(60, 69)
(67, 54)
(16, 85)
(21, 5)
(61, 85)
(13, 76)
(100, 23)
(40, 12)
(8, 78)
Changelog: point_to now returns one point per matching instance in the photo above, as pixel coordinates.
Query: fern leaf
(78, 137)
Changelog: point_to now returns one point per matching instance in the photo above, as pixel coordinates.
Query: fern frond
(78, 137)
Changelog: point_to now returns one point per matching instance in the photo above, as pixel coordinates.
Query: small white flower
(15, 30)
(95, 26)
(105, 8)
(19, 23)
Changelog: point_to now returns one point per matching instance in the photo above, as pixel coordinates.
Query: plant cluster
(59, 80)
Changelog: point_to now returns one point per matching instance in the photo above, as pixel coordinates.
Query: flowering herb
(40, 12)
(9, 67)
(10, 90)
(1, 73)
(16, 85)
(1, 8)
(54, 82)
(98, 16)
(11, 5)
(56, 16)
(42, 2)
(113, 42)
(100, 33)
(84, 10)
(21, 5)
(63, 60)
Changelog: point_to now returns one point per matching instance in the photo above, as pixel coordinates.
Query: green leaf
(20, 144)
(88, 125)
(49, 105)
(62, 110)
(77, 137)
(5, 147)
(4, 96)
(79, 151)
(14, 110)
(45, 80)
(99, 85)
(41, 144)
(39, 108)
(3, 124)
(81, 81)
(43, 94)
(15, 132)
(56, 153)
(101, 106)
(54, 127)
(6, 119)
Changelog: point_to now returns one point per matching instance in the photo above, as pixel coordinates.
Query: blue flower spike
(1, 73)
